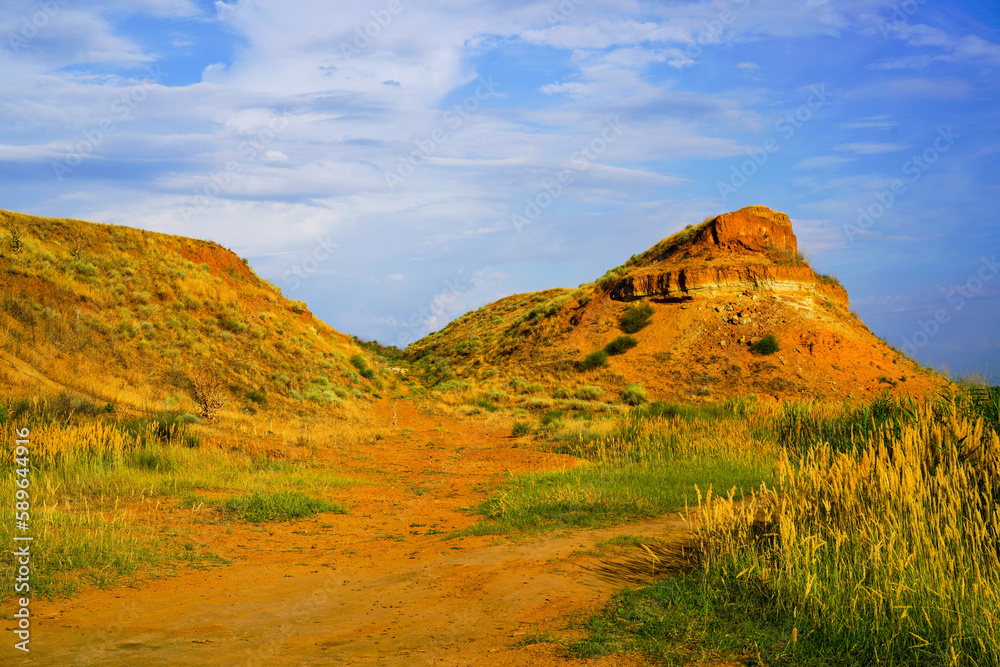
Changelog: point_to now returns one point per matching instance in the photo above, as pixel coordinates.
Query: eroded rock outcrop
(753, 248)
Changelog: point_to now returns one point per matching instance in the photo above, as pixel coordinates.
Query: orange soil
(376, 586)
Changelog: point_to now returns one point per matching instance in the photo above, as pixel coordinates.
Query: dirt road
(376, 586)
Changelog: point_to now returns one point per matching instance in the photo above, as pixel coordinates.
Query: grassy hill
(723, 308)
(117, 315)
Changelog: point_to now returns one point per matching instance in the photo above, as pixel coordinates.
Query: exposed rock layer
(734, 252)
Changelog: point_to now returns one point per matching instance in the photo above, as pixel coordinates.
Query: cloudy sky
(396, 163)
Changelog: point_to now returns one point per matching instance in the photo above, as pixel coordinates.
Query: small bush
(595, 359)
(520, 428)
(607, 281)
(766, 345)
(551, 417)
(589, 393)
(621, 345)
(257, 397)
(635, 318)
(634, 394)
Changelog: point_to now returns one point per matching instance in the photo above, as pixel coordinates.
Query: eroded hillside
(143, 319)
(707, 302)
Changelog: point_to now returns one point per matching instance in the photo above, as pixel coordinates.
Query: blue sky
(396, 163)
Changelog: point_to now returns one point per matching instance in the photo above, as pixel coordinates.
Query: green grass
(827, 279)
(799, 428)
(644, 467)
(605, 493)
(281, 506)
(689, 619)
(83, 538)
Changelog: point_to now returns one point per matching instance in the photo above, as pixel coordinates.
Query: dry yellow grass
(889, 551)
(130, 316)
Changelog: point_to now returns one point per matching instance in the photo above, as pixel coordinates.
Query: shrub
(827, 279)
(552, 417)
(766, 345)
(634, 394)
(595, 359)
(621, 345)
(635, 318)
(233, 325)
(589, 393)
(257, 397)
(520, 428)
(496, 395)
(607, 281)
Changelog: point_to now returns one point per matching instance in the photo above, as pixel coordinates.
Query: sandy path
(377, 586)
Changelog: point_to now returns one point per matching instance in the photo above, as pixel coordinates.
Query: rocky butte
(714, 289)
(753, 248)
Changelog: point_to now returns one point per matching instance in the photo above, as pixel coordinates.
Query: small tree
(15, 239)
(208, 392)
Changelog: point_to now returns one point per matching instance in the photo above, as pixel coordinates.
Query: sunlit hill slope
(114, 314)
(726, 307)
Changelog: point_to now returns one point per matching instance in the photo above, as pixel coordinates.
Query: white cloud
(872, 123)
(275, 157)
(821, 161)
(870, 147)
